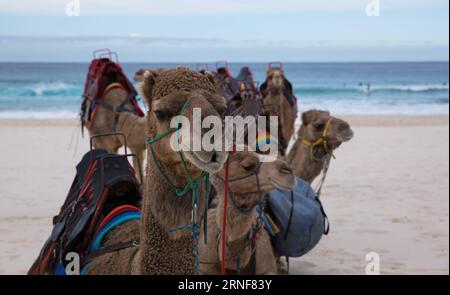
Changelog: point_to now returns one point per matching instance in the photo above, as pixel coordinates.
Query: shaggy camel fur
(160, 251)
(276, 103)
(244, 195)
(133, 126)
(308, 162)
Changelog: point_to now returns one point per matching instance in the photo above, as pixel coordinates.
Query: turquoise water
(53, 90)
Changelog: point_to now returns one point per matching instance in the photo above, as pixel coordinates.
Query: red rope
(224, 223)
(225, 215)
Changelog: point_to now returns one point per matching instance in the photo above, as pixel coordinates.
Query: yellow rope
(321, 141)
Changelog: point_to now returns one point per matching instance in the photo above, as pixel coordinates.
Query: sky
(233, 30)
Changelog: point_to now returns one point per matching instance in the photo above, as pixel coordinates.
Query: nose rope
(192, 186)
(321, 141)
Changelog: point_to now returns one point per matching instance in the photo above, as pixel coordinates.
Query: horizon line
(232, 62)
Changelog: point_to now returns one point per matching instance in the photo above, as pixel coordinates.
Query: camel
(128, 123)
(246, 173)
(279, 100)
(160, 250)
(319, 135)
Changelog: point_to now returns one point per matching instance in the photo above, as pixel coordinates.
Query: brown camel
(246, 172)
(161, 251)
(279, 100)
(319, 135)
(130, 124)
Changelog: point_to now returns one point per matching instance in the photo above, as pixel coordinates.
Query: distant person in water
(361, 84)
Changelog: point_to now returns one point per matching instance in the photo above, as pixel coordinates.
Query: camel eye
(249, 165)
(160, 115)
(319, 126)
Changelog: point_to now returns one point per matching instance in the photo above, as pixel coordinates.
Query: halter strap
(258, 186)
(321, 141)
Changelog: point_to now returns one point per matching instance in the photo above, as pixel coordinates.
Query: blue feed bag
(300, 216)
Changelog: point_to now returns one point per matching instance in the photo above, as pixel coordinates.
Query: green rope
(193, 185)
(205, 218)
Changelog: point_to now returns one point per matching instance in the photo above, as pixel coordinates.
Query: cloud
(139, 48)
(137, 39)
(134, 39)
(164, 7)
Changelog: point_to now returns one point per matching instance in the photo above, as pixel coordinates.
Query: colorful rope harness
(192, 186)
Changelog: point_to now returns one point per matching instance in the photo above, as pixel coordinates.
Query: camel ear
(308, 117)
(139, 75)
(147, 80)
(263, 89)
(210, 77)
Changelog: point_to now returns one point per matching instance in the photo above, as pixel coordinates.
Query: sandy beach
(386, 192)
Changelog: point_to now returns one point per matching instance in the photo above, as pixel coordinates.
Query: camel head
(271, 90)
(317, 125)
(245, 171)
(177, 92)
(275, 79)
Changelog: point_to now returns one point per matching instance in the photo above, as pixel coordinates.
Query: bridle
(192, 186)
(258, 191)
(117, 110)
(322, 141)
(256, 227)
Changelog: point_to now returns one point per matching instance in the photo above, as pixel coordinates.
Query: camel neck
(162, 209)
(239, 224)
(276, 92)
(131, 123)
(162, 202)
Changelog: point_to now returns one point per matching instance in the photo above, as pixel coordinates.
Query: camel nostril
(214, 157)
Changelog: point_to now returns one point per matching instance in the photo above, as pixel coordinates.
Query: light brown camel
(319, 135)
(130, 124)
(279, 100)
(246, 172)
(161, 251)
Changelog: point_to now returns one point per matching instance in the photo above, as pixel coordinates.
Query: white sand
(387, 192)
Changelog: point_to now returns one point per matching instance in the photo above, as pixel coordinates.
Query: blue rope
(180, 227)
(195, 234)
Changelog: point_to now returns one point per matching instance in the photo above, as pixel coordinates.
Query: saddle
(245, 99)
(246, 77)
(103, 75)
(105, 188)
(228, 86)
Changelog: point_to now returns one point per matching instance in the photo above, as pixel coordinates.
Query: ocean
(53, 90)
